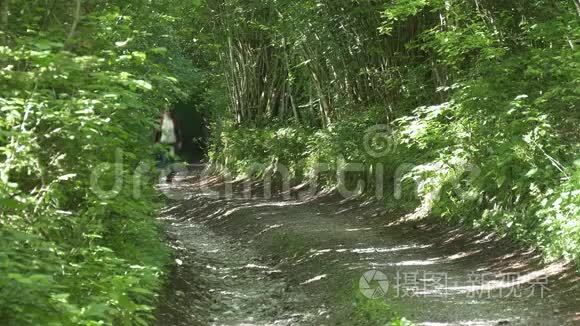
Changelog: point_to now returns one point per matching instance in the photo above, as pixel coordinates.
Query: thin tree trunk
(76, 19)
(294, 108)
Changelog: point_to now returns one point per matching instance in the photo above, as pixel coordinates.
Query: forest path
(306, 262)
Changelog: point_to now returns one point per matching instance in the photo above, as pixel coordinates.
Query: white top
(168, 130)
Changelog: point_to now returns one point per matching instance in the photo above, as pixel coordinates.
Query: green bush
(77, 113)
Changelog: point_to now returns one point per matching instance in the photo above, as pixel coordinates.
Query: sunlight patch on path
(315, 279)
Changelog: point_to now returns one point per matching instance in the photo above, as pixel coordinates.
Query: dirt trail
(306, 262)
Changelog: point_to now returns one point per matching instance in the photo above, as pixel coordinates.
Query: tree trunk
(76, 19)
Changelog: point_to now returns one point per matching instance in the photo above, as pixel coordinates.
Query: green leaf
(531, 172)
(159, 50)
(66, 177)
(10, 203)
(143, 85)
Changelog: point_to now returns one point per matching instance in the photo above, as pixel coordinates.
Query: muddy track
(307, 262)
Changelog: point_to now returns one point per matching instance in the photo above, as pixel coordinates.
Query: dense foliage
(82, 84)
(481, 98)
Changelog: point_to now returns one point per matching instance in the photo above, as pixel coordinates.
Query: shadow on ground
(250, 261)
